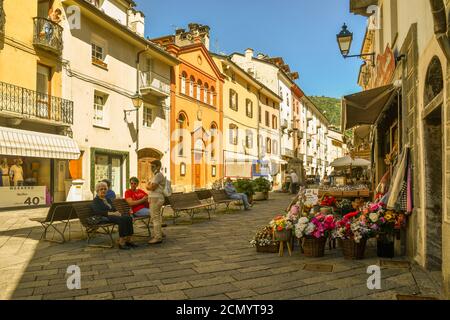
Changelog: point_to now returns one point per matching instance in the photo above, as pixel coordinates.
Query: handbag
(95, 220)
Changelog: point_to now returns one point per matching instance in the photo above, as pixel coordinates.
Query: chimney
(249, 54)
(136, 21)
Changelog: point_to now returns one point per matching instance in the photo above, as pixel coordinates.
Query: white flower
(303, 220)
(310, 229)
(373, 216)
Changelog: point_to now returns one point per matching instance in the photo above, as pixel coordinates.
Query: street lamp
(137, 104)
(345, 39)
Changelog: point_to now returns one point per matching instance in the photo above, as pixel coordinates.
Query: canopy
(365, 107)
(349, 162)
(14, 142)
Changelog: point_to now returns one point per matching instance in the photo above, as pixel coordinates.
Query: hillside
(330, 107)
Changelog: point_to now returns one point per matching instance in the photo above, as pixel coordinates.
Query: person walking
(156, 199)
(294, 182)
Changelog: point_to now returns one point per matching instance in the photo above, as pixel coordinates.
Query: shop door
(109, 167)
(116, 175)
(144, 172)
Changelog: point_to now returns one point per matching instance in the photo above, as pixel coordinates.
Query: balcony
(154, 84)
(285, 152)
(48, 35)
(28, 104)
(284, 124)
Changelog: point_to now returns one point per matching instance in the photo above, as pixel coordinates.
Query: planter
(284, 235)
(266, 195)
(272, 248)
(259, 196)
(313, 247)
(353, 250)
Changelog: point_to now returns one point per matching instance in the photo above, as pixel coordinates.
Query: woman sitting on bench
(103, 207)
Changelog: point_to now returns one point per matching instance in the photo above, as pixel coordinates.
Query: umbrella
(349, 162)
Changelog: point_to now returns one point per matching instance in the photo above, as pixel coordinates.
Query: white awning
(14, 142)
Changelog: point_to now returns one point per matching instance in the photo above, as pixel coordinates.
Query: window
(213, 171)
(259, 114)
(233, 134)
(275, 147)
(267, 101)
(183, 83)
(249, 139)
(269, 145)
(191, 86)
(199, 88)
(267, 119)
(148, 117)
(97, 52)
(211, 97)
(274, 122)
(249, 108)
(287, 99)
(213, 133)
(206, 94)
(183, 169)
(233, 100)
(100, 115)
(233, 76)
(43, 87)
(182, 122)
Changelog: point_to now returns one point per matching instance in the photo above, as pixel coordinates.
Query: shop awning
(14, 142)
(365, 107)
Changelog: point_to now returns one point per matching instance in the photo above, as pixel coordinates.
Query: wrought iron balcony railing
(287, 152)
(151, 81)
(31, 104)
(48, 35)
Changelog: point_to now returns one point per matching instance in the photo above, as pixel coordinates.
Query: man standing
(294, 182)
(137, 199)
(156, 198)
(233, 194)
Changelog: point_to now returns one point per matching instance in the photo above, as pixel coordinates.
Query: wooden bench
(205, 196)
(221, 197)
(58, 213)
(84, 211)
(187, 202)
(123, 207)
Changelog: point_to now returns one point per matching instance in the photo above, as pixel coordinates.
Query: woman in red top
(137, 199)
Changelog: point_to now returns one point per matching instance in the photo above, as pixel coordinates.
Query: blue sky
(303, 32)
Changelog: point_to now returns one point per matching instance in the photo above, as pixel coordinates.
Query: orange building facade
(196, 120)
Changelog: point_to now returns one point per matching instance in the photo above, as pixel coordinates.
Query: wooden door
(144, 172)
(198, 176)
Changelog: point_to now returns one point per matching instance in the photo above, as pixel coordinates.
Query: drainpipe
(441, 25)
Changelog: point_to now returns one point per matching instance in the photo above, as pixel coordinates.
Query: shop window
(109, 167)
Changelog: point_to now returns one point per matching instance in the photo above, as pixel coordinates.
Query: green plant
(246, 186)
(262, 185)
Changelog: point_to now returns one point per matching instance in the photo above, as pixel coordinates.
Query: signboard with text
(25, 196)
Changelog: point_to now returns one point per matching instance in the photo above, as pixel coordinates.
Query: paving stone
(174, 287)
(241, 294)
(99, 296)
(173, 295)
(211, 281)
(135, 292)
(210, 290)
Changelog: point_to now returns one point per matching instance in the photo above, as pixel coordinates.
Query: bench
(205, 196)
(187, 202)
(123, 207)
(58, 212)
(221, 197)
(84, 211)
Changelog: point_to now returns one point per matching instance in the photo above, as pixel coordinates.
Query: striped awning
(14, 142)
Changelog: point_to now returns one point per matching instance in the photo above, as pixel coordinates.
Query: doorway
(145, 159)
(433, 136)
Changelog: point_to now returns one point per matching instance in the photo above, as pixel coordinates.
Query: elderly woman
(104, 208)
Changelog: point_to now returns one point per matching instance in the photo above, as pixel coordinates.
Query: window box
(99, 63)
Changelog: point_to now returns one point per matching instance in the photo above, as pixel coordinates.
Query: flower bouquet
(263, 241)
(328, 201)
(314, 231)
(282, 227)
(353, 230)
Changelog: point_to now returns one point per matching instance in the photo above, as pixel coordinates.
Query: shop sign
(261, 168)
(312, 196)
(385, 68)
(25, 196)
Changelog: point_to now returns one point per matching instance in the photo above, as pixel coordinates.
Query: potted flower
(384, 223)
(245, 186)
(262, 188)
(353, 230)
(282, 228)
(314, 231)
(263, 241)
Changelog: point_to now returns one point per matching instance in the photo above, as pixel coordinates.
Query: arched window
(434, 82)
(274, 122)
(268, 145)
(212, 98)
(213, 133)
(182, 124)
(183, 83)
(199, 90)
(234, 134)
(206, 94)
(191, 86)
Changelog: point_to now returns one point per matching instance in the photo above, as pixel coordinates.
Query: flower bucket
(259, 196)
(313, 247)
(385, 249)
(353, 250)
(284, 235)
(272, 248)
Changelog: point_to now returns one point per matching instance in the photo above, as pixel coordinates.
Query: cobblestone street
(206, 260)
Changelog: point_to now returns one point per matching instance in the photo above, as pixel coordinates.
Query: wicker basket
(272, 248)
(284, 235)
(313, 247)
(353, 250)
